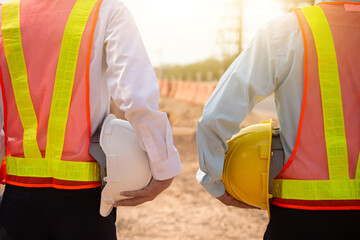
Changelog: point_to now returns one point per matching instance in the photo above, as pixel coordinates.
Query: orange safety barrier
(188, 92)
(181, 91)
(173, 88)
(160, 85)
(209, 90)
(194, 90)
(200, 95)
(204, 93)
(165, 88)
(191, 92)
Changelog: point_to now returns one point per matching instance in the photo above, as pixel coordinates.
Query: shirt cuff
(216, 189)
(165, 169)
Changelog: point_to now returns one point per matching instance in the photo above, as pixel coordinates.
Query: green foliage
(207, 70)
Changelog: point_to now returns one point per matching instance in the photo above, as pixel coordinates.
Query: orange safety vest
(42, 35)
(323, 172)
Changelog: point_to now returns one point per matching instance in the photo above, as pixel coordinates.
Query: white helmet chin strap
(127, 165)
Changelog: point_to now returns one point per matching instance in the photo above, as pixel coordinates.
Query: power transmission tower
(230, 35)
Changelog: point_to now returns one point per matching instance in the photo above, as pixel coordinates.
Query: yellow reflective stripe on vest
(10, 28)
(357, 176)
(347, 189)
(65, 75)
(47, 168)
(334, 127)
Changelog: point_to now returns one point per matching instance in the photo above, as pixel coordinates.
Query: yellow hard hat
(247, 163)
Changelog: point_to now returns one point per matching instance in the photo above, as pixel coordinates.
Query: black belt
(277, 157)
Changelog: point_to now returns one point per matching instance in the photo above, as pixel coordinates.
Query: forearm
(134, 88)
(247, 81)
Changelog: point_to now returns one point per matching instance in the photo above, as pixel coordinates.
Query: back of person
(61, 61)
(321, 165)
(44, 79)
(327, 147)
(56, 122)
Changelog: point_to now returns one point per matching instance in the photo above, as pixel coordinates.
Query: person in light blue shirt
(273, 63)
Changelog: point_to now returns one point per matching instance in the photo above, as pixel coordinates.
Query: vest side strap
(334, 127)
(357, 176)
(10, 29)
(65, 76)
(59, 169)
(342, 189)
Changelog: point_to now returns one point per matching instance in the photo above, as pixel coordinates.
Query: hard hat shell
(246, 165)
(127, 164)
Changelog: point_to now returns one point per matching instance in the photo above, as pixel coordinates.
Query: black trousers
(54, 214)
(294, 224)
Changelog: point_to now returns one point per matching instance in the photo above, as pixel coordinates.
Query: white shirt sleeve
(248, 80)
(134, 88)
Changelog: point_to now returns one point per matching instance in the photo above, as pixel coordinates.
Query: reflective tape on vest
(317, 189)
(33, 165)
(59, 169)
(334, 127)
(357, 175)
(339, 186)
(65, 75)
(10, 28)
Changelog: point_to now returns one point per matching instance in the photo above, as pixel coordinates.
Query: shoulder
(113, 7)
(280, 35)
(113, 4)
(114, 10)
(285, 24)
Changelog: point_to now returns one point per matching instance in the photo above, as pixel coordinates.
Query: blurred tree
(230, 37)
(210, 70)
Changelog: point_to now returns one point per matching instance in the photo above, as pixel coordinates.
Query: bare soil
(186, 210)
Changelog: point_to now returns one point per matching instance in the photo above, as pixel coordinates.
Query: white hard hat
(127, 165)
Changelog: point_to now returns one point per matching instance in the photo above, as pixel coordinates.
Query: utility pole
(240, 6)
(231, 32)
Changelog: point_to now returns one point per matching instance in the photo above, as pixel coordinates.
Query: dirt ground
(186, 210)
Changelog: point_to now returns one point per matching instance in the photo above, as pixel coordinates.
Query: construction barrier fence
(186, 91)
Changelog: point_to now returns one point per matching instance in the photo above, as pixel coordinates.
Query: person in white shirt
(119, 69)
(272, 63)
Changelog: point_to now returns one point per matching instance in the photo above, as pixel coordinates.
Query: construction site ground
(186, 210)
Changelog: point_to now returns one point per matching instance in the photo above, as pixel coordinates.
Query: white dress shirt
(121, 69)
(272, 63)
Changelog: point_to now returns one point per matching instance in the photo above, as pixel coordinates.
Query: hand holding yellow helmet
(247, 165)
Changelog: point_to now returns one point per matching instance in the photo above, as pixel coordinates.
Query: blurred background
(191, 43)
(198, 39)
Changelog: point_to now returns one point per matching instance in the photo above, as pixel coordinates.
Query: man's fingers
(144, 192)
(228, 200)
(239, 204)
(133, 194)
(131, 202)
(148, 193)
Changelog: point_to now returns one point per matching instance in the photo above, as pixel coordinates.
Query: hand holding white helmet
(127, 165)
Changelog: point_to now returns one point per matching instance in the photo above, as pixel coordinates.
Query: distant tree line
(210, 69)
